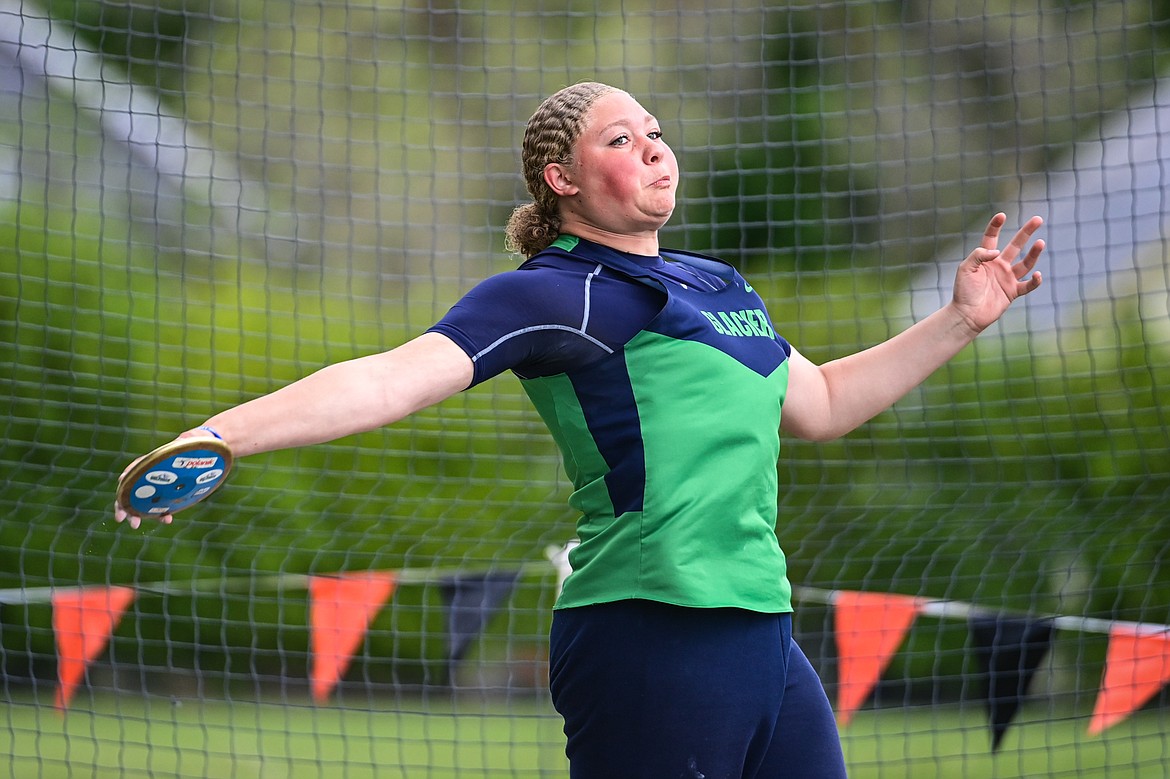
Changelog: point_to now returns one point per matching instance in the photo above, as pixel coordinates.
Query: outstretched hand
(990, 278)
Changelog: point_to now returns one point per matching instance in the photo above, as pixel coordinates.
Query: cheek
(672, 162)
(617, 180)
(611, 185)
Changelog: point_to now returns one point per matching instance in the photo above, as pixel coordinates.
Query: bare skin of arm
(348, 397)
(342, 399)
(827, 401)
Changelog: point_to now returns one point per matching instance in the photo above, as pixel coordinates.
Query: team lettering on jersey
(747, 323)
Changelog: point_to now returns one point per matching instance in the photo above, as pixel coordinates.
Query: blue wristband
(210, 430)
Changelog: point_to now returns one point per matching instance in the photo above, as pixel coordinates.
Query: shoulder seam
(535, 328)
(551, 326)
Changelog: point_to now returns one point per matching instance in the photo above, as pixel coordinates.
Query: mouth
(662, 183)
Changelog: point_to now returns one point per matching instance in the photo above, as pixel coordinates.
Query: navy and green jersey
(661, 380)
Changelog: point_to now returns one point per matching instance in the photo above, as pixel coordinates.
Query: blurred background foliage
(830, 150)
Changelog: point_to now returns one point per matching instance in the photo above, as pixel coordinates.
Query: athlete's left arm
(827, 401)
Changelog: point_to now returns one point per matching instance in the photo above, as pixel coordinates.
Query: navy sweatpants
(652, 691)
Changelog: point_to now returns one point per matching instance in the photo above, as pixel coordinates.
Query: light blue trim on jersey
(575, 330)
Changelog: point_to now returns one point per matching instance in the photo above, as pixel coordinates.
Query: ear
(557, 177)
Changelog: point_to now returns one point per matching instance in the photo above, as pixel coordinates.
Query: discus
(174, 476)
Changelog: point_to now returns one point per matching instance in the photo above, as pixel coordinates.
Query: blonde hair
(549, 137)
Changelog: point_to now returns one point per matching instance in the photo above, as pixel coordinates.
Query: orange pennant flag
(83, 621)
(1137, 666)
(341, 609)
(870, 627)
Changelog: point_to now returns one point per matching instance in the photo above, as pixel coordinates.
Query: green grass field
(438, 738)
(947, 742)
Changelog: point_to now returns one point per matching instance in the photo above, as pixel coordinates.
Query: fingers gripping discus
(175, 476)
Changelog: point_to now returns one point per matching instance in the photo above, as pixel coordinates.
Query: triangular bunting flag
(870, 627)
(83, 621)
(341, 608)
(1137, 666)
(1008, 651)
(471, 601)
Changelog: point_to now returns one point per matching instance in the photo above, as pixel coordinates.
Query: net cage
(203, 201)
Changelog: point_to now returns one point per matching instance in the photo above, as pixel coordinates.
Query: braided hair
(549, 137)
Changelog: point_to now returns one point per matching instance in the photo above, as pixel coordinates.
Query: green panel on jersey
(702, 459)
(725, 476)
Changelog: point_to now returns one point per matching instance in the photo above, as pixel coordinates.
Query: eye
(655, 135)
(621, 140)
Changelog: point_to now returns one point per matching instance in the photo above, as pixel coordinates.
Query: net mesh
(201, 202)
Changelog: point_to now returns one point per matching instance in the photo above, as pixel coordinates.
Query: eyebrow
(649, 119)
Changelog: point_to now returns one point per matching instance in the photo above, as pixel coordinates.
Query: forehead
(615, 108)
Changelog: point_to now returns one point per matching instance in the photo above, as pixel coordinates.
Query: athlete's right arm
(379, 389)
(369, 392)
(348, 397)
(341, 399)
(529, 319)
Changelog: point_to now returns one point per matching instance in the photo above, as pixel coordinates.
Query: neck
(643, 243)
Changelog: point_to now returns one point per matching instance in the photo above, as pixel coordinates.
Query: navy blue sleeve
(545, 319)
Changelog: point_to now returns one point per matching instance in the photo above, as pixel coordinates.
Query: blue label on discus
(177, 482)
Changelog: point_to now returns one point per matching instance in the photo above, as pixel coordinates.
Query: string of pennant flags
(869, 628)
